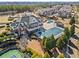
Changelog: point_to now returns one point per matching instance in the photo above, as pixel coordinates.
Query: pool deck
(49, 25)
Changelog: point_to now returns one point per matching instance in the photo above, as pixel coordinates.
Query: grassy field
(4, 19)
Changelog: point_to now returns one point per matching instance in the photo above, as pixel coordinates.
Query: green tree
(72, 21)
(60, 42)
(1, 38)
(65, 38)
(49, 43)
(62, 18)
(66, 35)
(72, 29)
(35, 56)
(53, 40)
(67, 32)
(44, 41)
(18, 8)
(2, 35)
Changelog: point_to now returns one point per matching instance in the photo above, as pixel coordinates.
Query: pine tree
(72, 21)
(67, 32)
(72, 30)
(49, 43)
(60, 42)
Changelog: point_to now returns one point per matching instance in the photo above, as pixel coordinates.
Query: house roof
(26, 20)
(30, 19)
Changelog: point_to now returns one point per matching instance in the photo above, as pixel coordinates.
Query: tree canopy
(72, 21)
(18, 8)
(72, 30)
(67, 32)
(60, 42)
(49, 43)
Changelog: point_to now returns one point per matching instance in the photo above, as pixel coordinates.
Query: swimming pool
(50, 21)
(56, 31)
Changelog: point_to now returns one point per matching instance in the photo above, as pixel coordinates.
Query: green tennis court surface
(12, 54)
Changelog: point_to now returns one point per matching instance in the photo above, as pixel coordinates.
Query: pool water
(55, 31)
(49, 21)
(47, 33)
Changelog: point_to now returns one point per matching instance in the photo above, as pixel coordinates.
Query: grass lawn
(4, 19)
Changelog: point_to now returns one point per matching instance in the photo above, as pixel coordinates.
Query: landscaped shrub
(60, 55)
(10, 19)
(2, 26)
(3, 36)
(46, 55)
(36, 56)
(1, 39)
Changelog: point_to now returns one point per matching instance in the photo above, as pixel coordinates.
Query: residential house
(27, 22)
